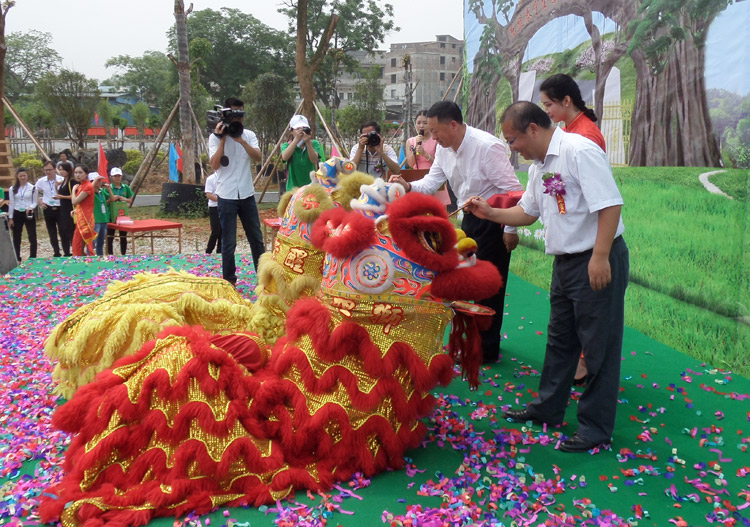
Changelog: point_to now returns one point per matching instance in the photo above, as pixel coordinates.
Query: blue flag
(173, 158)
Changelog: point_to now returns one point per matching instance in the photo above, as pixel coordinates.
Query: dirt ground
(153, 182)
(195, 232)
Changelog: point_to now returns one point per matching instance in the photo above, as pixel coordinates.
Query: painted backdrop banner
(669, 90)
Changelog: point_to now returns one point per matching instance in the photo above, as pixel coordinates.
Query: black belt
(589, 252)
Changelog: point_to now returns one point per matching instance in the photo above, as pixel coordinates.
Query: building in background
(434, 65)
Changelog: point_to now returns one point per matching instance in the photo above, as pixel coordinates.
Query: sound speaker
(8, 260)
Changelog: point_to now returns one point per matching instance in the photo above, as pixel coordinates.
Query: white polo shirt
(234, 181)
(211, 188)
(480, 167)
(48, 190)
(589, 188)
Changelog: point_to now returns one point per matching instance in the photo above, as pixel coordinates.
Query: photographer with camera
(231, 149)
(302, 153)
(372, 155)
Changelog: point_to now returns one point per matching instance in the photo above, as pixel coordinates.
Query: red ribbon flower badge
(555, 187)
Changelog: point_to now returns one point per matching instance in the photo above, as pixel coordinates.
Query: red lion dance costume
(196, 419)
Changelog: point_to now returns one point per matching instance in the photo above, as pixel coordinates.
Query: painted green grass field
(689, 260)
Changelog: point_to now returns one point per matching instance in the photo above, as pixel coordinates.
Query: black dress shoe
(520, 416)
(577, 444)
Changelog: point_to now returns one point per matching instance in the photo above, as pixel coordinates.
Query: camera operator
(302, 153)
(230, 157)
(372, 155)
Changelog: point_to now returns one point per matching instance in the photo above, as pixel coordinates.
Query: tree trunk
(183, 72)
(482, 95)
(671, 125)
(3, 50)
(306, 68)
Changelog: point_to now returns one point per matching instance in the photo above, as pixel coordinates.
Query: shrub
(133, 154)
(31, 162)
(131, 167)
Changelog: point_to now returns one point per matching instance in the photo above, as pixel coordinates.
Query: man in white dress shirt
(47, 190)
(475, 163)
(230, 157)
(571, 188)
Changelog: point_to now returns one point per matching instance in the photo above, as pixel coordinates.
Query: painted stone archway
(671, 125)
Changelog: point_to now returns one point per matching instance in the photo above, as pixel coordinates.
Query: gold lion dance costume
(197, 419)
(129, 314)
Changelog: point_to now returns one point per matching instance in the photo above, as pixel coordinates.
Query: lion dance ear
(342, 234)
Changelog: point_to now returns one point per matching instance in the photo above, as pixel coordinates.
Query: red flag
(334, 151)
(102, 168)
(179, 153)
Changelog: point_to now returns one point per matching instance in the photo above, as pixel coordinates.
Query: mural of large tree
(665, 38)
(671, 125)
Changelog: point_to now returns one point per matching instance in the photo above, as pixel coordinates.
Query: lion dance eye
(432, 241)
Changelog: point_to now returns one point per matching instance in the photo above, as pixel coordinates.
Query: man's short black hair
(522, 113)
(446, 111)
(369, 124)
(232, 102)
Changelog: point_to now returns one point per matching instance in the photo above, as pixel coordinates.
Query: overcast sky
(88, 32)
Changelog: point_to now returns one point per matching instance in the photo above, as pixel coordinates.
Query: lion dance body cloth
(199, 417)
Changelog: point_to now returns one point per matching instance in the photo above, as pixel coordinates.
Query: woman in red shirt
(562, 100)
(83, 202)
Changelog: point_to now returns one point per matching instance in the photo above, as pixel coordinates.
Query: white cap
(93, 176)
(299, 121)
(115, 172)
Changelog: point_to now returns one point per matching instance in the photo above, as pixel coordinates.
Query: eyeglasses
(510, 143)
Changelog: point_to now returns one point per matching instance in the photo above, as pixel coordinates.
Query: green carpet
(679, 448)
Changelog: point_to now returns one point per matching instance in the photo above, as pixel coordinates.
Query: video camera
(373, 138)
(225, 115)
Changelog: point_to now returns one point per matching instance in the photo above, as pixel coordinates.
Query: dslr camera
(373, 139)
(225, 115)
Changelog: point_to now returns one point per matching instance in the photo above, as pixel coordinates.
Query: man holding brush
(474, 163)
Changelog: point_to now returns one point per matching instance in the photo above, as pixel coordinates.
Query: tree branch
(325, 40)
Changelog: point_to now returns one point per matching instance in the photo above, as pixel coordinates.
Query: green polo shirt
(101, 209)
(300, 166)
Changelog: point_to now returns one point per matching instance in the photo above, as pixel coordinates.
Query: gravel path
(713, 189)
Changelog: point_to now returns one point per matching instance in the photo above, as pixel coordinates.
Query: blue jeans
(101, 237)
(247, 211)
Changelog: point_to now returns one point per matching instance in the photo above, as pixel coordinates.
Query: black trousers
(490, 247)
(66, 227)
(19, 220)
(581, 318)
(52, 221)
(111, 241)
(214, 239)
